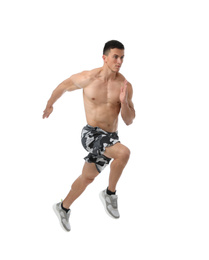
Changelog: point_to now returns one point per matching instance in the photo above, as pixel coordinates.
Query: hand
(124, 93)
(47, 111)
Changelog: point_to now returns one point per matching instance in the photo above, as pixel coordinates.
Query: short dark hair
(112, 45)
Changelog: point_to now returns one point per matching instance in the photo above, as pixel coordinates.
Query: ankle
(110, 192)
(65, 209)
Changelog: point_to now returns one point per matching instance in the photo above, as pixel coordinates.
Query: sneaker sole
(58, 215)
(104, 204)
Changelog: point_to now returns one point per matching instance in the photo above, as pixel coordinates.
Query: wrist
(124, 103)
(49, 104)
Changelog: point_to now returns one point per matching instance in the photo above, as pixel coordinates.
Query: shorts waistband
(98, 128)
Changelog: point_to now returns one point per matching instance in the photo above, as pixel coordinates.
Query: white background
(163, 193)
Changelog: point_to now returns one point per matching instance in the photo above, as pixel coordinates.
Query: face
(114, 59)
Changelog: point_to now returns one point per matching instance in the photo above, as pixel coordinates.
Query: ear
(104, 57)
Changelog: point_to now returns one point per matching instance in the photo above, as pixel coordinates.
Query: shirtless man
(106, 93)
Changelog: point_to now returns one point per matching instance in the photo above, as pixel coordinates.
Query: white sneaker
(62, 216)
(110, 203)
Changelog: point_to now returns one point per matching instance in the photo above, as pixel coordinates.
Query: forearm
(56, 94)
(127, 113)
(66, 85)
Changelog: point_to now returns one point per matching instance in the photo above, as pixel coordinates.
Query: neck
(107, 74)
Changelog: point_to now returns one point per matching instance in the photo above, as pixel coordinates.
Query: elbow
(129, 122)
(128, 119)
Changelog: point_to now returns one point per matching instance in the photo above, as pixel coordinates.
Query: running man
(106, 93)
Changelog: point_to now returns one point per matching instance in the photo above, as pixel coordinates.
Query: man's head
(112, 45)
(113, 54)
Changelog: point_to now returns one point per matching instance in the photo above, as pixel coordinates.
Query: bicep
(80, 80)
(76, 81)
(69, 84)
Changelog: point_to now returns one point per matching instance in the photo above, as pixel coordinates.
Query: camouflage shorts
(95, 140)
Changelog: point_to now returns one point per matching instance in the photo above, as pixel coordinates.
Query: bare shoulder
(84, 78)
(122, 80)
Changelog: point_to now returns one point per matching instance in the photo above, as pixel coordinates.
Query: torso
(101, 101)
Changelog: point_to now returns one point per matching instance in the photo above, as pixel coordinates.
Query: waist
(106, 119)
(100, 129)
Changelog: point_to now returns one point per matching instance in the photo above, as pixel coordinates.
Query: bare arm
(127, 107)
(77, 81)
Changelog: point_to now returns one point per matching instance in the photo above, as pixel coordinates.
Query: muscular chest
(100, 93)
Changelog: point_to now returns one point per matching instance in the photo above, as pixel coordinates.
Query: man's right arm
(77, 81)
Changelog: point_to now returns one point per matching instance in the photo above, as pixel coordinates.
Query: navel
(93, 98)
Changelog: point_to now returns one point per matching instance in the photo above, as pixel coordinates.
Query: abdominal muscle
(104, 116)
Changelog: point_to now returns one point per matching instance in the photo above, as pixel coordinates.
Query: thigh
(116, 151)
(89, 170)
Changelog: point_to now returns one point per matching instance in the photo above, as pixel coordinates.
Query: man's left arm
(127, 106)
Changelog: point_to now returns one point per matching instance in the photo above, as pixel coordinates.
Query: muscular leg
(88, 174)
(120, 154)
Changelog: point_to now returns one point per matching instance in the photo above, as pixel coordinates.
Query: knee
(124, 154)
(87, 180)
